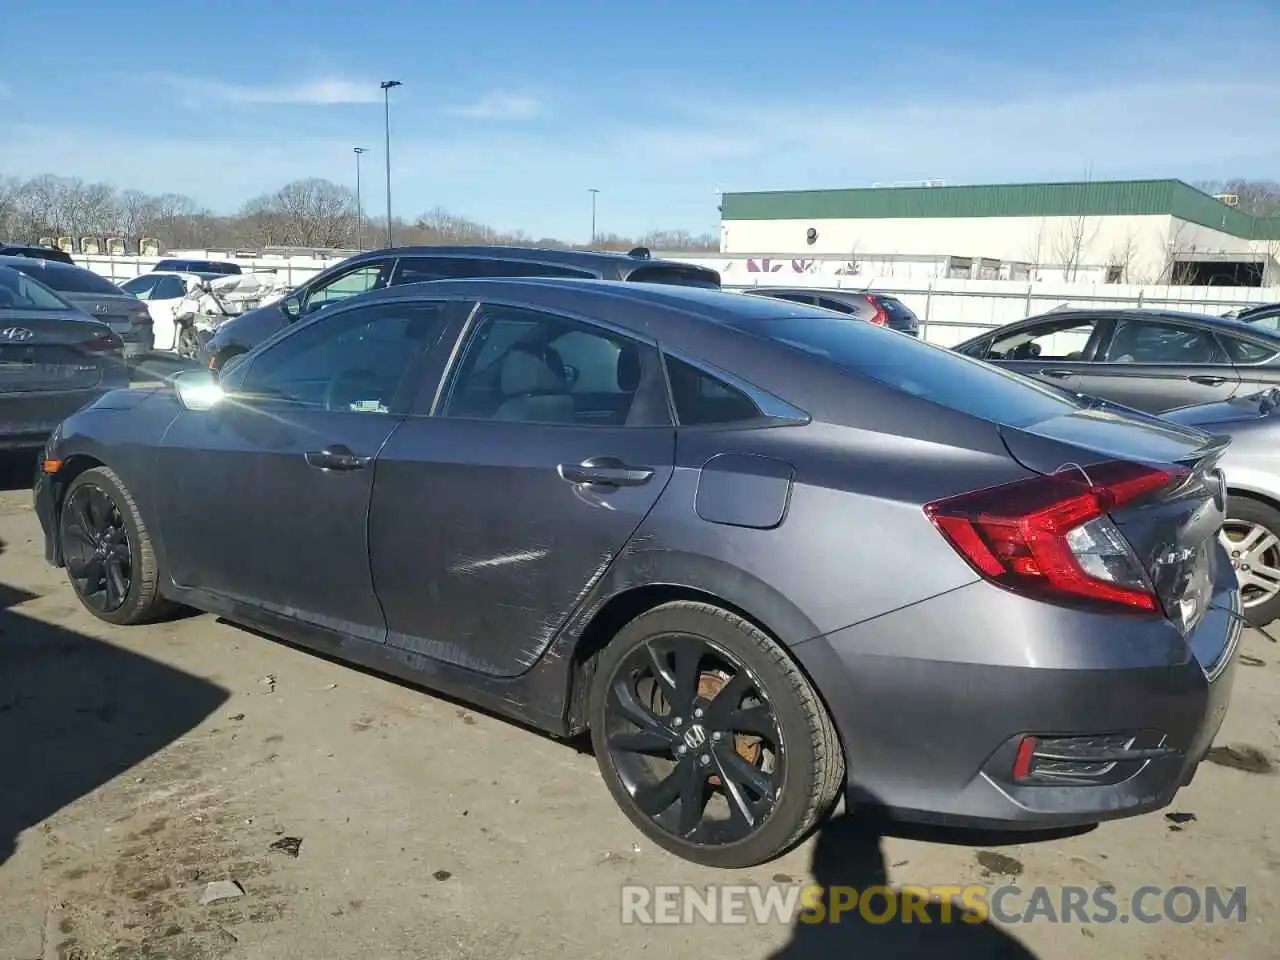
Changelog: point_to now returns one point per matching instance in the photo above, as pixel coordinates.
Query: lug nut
(677, 722)
(682, 749)
(704, 760)
(698, 712)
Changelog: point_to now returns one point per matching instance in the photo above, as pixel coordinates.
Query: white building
(1127, 231)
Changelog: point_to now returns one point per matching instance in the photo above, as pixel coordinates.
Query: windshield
(918, 368)
(67, 279)
(20, 292)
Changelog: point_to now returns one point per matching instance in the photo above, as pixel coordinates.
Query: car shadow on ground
(76, 712)
(17, 470)
(848, 856)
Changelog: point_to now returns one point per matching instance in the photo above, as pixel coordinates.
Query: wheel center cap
(695, 736)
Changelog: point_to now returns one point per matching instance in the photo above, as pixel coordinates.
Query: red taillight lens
(1051, 535)
(881, 317)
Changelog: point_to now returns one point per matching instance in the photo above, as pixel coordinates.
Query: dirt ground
(137, 765)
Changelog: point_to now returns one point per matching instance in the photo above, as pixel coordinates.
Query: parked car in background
(1151, 360)
(877, 308)
(163, 293)
(1242, 313)
(1251, 533)
(392, 267)
(96, 296)
(1265, 317)
(680, 518)
(37, 251)
(202, 268)
(53, 360)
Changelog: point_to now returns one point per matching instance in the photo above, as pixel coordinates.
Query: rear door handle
(1207, 381)
(336, 457)
(1056, 373)
(605, 472)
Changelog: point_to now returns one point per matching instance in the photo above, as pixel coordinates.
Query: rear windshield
(66, 279)
(20, 292)
(676, 276)
(896, 308)
(920, 369)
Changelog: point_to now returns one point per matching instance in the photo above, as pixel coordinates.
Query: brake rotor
(745, 745)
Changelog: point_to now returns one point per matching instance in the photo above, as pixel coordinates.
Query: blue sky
(511, 111)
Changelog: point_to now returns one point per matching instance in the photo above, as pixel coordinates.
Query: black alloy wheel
(96, 548)
(710, 738)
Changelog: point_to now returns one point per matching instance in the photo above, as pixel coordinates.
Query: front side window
(356, 364)
(369, 276)
(531, 367)
(1064, 339)
(1142, 341)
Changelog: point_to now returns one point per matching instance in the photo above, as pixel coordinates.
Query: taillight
(1051, 536)
(881, 316)
(108, 342)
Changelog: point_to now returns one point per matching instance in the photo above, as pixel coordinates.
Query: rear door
(1156, 365)
(498, 505)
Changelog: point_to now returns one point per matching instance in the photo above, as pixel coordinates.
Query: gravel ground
(138, 765)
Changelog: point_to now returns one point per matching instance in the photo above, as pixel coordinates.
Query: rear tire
(692, 707)
(1252, 532)
(108, 552)
(188, 343)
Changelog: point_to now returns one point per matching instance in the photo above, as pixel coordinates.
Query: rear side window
(915, 367)
(1245, 351)
(701, 399)
(676, 276)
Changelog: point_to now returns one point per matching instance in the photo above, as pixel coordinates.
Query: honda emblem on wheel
(16, 333)
(695, 737)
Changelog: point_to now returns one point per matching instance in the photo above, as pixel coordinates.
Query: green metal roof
(1092, 199)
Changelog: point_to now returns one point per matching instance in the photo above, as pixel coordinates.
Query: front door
(265, 498)
(492, 518)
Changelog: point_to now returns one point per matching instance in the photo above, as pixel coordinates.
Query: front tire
(188, 343)
(1251, 536)
(710, 738)
(107, 550)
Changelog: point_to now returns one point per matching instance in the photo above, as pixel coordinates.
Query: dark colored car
(878, 308)
(671, 516)
(97, 297)
(1152, 360)
(36, 251)
(392, 267)
(53, 360)
(1265, 317)
(206, 269)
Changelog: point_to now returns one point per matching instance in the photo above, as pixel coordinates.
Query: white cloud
(323, 91)
(501, 106)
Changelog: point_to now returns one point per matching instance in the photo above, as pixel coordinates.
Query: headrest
(524, 371)
(629, 368)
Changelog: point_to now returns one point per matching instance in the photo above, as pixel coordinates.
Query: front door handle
(336, 457)
(1207, 381)
(605, 472)
(1057, 373)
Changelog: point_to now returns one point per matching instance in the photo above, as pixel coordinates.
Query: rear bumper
(931, 732)
(27, 419)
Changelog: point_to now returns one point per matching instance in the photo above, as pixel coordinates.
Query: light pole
(359, 209)
(386, 105)
(594, 192)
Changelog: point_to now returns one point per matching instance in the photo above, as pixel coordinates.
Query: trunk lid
(123, 313)
(1173, 533)
(54, 352)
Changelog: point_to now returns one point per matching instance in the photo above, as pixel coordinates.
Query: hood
(1236, 410)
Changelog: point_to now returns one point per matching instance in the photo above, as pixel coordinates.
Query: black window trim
(457, 354)
(774, 411)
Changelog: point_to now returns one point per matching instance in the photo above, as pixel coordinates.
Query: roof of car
(543, 254)
(16, 261)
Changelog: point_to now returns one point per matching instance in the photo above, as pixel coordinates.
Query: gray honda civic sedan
(762, 554)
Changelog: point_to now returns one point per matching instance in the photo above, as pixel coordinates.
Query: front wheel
(1251, 536)
(188, 343)
(710, 738)
(108, 552)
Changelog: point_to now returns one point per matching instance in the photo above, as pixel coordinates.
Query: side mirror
(197, 389)
(291, 307)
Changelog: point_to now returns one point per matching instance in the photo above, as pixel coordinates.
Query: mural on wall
(798, 265)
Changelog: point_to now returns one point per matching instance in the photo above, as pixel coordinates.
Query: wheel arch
(72, 466)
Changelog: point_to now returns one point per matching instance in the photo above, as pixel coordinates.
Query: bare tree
(1036, 247)
(1073, 240)
(1178, 239)
(1123, 253)
(1258, 198)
